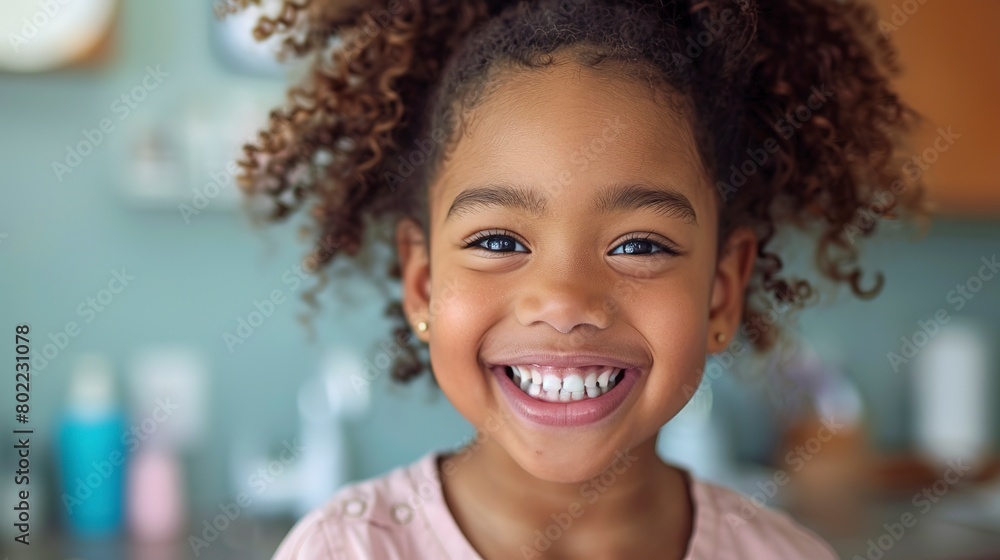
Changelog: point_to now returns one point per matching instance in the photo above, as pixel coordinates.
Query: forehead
(572, 126)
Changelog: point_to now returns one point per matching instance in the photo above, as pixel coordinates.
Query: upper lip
(575, 359)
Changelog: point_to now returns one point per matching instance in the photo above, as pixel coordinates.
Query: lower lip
(566, 414)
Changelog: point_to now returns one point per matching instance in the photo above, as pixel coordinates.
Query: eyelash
(665, 249)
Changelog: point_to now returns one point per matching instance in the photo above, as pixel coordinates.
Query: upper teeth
(550, 387)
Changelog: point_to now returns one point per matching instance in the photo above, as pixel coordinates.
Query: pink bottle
(155, 497)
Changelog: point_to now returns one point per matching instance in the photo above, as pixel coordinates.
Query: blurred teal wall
(194, 280)
(919, 275)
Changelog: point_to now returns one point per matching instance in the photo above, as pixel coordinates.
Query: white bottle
(952, 395)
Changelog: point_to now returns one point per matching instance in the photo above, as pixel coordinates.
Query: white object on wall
(953, 394)
(41, 36)
(169, 395)
(320, 465)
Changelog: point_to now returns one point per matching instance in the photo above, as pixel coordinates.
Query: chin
(574, 460)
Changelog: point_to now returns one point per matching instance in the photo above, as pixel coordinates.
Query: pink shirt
(403, 515)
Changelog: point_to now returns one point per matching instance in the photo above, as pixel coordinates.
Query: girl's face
(572, 221)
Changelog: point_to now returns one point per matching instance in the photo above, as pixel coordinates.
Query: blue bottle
(91, 452)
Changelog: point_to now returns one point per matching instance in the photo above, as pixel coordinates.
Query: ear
(415, 268)
(732, 272)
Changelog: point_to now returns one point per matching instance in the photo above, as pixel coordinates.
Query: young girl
(584, 196)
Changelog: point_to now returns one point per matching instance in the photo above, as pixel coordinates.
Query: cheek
(462, 310)
(673, 319)
(464, 306)
(674, 309)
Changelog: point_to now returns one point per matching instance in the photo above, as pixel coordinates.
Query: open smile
(564, 385)
(565, 397)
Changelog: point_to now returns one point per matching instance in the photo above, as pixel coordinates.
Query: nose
(564, 296)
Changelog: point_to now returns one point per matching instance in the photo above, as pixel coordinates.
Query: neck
(502, 508)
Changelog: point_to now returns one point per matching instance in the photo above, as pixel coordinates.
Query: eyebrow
(662, 200)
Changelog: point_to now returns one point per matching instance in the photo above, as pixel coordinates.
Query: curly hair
(794, 117)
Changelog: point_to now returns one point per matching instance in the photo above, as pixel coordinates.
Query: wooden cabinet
(949, 51)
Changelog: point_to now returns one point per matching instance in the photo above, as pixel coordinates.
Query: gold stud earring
(719, 337)
(422, 326)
